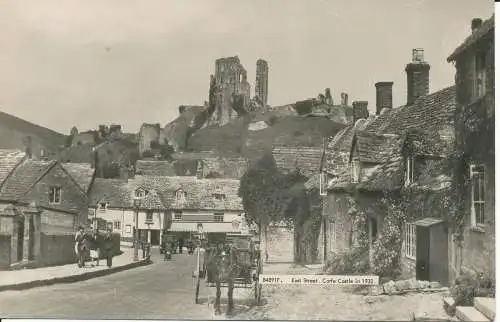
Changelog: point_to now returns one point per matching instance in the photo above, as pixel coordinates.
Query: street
(163, 290)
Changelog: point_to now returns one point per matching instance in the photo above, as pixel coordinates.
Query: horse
(221, 266)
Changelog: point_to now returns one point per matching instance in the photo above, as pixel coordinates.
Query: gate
(432, 250)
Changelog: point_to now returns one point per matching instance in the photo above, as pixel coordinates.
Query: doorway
(20, 239)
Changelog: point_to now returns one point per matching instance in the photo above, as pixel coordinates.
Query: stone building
(261, 81)
(149, 133)
(230, 88)
(474, 60)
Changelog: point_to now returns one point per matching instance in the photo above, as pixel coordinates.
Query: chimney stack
(476, 23)
(344, 99)
(359, 110)
(384, 95)
(417, 75)
(28, 146)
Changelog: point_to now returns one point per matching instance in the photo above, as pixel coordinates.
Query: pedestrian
(107, 247)
(79, 245)
(94, 248)
(181, 245)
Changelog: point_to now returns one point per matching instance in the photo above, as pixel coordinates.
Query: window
(128, 229)
(149, 216)
(102, 206)
(479, 75)
(477, 194)
(180, 195)
(117, 225)
(409, 169)
(178, 215)
(219, 217)
(55, 195)
(410, 245)
(141, 193)
(323, 184)
(355, 171)
(219, 196)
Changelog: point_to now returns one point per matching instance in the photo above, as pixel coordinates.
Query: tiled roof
(487, 26)
(199, 192)
(306, 160)
(430, 114)
(9, 159)
(376, 148)
(386, 176)
(154, 168)
(112, 191)
(83, 173)
(23, 178)
(152, 201)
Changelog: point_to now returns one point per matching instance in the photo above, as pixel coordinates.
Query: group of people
(95, 244)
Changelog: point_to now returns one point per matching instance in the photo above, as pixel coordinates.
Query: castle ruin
(261, 85)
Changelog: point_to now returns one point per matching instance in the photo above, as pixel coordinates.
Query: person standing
(94, 248)
(108, 248)
(79, 243)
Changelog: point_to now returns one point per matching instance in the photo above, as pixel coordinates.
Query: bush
(272, 120)
(353, 261)
(470, 285)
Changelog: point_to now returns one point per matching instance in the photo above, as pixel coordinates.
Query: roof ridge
(49, 166)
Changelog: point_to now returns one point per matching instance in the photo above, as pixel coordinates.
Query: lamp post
(200, 232)
(148, 222)
(137, 203)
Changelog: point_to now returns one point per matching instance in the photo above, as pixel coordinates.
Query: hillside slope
(14, 132)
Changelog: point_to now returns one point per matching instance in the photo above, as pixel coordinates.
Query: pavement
(29, 278)
(162, 290)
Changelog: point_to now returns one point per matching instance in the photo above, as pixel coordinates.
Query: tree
(304, 107)
(166, 151)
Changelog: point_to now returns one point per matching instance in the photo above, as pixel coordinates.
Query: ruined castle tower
(261, 81)
(230, 90)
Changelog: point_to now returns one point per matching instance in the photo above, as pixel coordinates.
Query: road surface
(163, 290)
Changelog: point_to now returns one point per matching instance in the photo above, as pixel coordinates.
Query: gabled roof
(154, 168)
(112, 191)
(83, 173)
(152, 201)
(306, 160)
(9, 159)
(487, 26)
(23, 178)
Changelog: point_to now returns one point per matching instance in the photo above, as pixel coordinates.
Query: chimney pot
(383, 95)
(417, 76)
(476, 23)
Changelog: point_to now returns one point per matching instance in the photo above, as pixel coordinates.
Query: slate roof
(83, 173)
(154, 168)
(9, 159)
(112, 191)
(487, 26)
(162, 193)
(432, 114)
(23, 178)
(306, 160)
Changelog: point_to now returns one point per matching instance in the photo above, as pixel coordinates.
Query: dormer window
(219, 196)
(409, 169)
(355, 170)
(103, 206)
(141, 193)
(180, 195)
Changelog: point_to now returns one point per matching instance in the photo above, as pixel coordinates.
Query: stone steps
(483, 309)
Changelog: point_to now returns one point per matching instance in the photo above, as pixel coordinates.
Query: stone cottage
(474, 60)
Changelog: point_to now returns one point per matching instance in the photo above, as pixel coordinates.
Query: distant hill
(14, 134)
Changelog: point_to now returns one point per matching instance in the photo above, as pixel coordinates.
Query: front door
(422, 256)
(155, 237)
(20, 239)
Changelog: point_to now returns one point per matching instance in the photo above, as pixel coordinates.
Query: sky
(66, 63)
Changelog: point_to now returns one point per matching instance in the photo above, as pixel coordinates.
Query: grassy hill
(252, 135)
(13, 133)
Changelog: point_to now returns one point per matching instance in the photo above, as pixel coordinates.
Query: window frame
(218, 215)
(410, 240)
(323, 184)
(149, 216)
(176, 214)
(480, 175)
(479, 70)
(52, 195)
(117, 225)
(355, 171)
(128, 229)
(409, 170)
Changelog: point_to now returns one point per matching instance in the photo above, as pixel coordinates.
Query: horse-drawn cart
(233, 263)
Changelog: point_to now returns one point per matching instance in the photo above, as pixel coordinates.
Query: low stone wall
(5, 250)
(407, 286)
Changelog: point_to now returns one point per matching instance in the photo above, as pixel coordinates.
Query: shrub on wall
(352, 261)
(470, 285)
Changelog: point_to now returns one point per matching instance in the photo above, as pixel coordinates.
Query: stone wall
(279, 244)
(5, 251)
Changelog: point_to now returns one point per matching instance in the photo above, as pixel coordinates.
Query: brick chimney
(417, 75)
(344, 99)
(384, 95)
(359, 110)
(476, 23)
